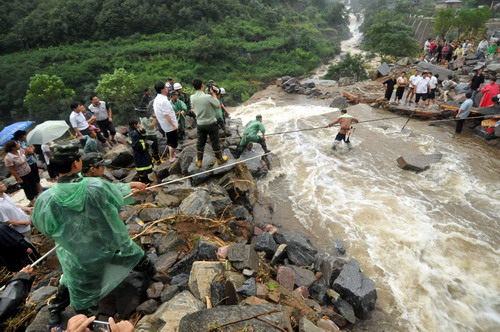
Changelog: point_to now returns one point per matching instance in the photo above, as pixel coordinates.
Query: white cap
(177, 86)
(222, 91)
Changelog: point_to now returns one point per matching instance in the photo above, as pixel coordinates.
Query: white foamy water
(430, 240)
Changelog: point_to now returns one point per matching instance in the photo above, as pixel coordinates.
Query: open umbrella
(8, 132)
(47, 131)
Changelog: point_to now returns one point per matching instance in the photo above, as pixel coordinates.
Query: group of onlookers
(443, 52)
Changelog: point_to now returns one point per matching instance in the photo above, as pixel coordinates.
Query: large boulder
(356, 288)
(153, 214)
(339, 102)
(299, 250)
(265, 242)
(168, 316)
(462, 88)
(418, 163)
(120, 156)
(383, 69)
(206, 320)
(201, 277)
(303, 277)
(198, 204)
(493, 67)
(209, 166)
(427, 66)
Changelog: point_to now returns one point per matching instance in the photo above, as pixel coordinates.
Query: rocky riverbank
(221, 265)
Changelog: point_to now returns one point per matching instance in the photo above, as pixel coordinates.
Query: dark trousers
(205, 131)
(107, 128)
(460, 125)
(29, 186)
(154, 147)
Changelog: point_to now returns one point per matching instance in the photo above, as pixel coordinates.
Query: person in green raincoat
(250, 134)
(180, 110)
(94, 248)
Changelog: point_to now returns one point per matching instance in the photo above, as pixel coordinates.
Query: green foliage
(467, 22)
(241, 44)
(47, 97)
(387, 34)
(121, 88)
(351, 66)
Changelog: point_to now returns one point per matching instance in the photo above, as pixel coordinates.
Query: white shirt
(9, 211)
(100, 112)
(162, 108)
(433, 82)
(78, 121)
(414, 79)
(45, 149)
(422, 85)
(427, 45)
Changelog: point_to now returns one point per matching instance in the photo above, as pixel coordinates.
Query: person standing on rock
(165, 115)
(422, 89)
(204, 106)
(251, 134)
(412, 87)
(344, 121)
(94, 248)
(142, 158)
(402, 83)
(433, 83)
(104, 117)
(476, 83)
(489, 91)
(180, 109)
(389, 87)
(463, 112)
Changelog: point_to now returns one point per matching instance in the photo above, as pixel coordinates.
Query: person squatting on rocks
(80, 124)
(204, 106)
(104, 117)
(463, 112)
(142, 158)
(251, 134)
(94, 248)
(94, 165)
(447, 86)
(345, 121)
(165, 116)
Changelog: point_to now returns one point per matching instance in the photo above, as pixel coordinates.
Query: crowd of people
(443, 52)
(95, 250)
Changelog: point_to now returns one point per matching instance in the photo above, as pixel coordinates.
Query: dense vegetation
(352, 66)
(465, 23)
(240, 44)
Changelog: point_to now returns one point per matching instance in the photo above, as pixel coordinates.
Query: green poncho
(95, 250)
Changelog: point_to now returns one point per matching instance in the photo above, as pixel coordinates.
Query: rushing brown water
(430, 240)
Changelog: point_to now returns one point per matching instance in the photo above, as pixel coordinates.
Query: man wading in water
(344, 121)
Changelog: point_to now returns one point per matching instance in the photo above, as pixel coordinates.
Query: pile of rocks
(294, 85)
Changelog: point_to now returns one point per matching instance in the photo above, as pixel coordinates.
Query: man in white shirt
(422, 89)
(104, 117)
(47, 154)
(165, 116)
(427, 47)
(433, 83)
(13, 215)
(412, 87)
(77, 119)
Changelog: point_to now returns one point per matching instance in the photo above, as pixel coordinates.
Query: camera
(99, 326)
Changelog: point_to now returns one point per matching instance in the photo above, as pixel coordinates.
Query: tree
(351, 66)
(47, 97)
(119, 89)
(388, 35)
(444, 21)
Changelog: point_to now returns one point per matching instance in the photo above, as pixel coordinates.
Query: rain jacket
(95, 249)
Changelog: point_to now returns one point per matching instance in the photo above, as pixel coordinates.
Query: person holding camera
(204, 106)
(81, 323)
(81, 214)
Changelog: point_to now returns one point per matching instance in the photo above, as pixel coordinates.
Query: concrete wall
(422, 28)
